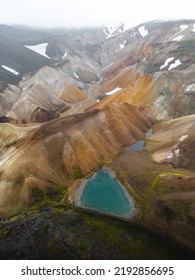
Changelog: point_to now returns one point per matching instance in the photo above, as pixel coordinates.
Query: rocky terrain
(35, 158)
(73, 100)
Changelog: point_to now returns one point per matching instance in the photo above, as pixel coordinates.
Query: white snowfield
(176, 152)
(110, 29)
(175, 64)
(143, 31)
(167, 62)
(193, 27)
(172, 65)
(183, 27)
(10, 70)
(40, 49)
(121, 46)
(113, 91)
(65, 54)
(76, 75)
(178, 38)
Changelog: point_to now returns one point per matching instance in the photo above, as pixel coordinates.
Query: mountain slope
(65, 148)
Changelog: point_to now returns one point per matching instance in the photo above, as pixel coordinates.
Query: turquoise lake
(103, 193)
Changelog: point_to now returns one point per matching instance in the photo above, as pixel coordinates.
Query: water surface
(103, 193)
(138, 146)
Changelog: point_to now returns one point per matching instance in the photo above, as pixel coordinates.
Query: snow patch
(183, 137)
(113, 91)
(176, 152)
(167, 62)
(40, 49)
(170, 155)
(183, 27)
(143, 31)
(65, 54)
(190, 88)
(121, 46)
(97, 100)
(76, 75)
(110, 29)
(115, 29)
(175, 64)
(10, 70)
(193, 27)
(178, 38)
(173, 154)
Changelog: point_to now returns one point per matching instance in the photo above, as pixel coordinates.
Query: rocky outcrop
(173, 142)
(40, 115)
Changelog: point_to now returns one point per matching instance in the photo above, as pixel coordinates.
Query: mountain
(16, 59)
(39, 156)
(149, 63)
(75, 100)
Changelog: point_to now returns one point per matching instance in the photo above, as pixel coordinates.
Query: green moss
(174, 209)
(53, 196)
(77, 173)
(180, 174)
(4, 231)
(103, 160)
(37, 194)
(150, 157)
(155, 185)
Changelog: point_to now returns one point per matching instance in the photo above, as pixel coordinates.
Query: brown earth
(165, 195)
(65, 149)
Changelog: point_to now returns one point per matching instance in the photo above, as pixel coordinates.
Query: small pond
(139, 145)
(103, 193)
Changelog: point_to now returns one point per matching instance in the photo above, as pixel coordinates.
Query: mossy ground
(77, 173)
(165, 194)
(66, 233)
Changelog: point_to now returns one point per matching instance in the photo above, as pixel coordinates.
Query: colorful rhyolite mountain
(72, 101)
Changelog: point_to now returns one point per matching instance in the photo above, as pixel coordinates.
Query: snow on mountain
(178, 38)
(143, 31)
(113, 91)
(40, 48)
(167, 62)
(110, 29)
(116, 29)
(175, 64)
(183, 27)
(10, 70)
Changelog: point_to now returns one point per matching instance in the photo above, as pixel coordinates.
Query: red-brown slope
(67, 148)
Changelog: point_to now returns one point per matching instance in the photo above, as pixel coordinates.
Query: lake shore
(78, 195)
